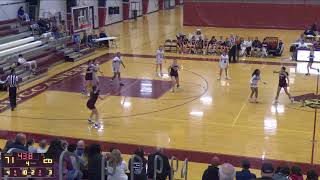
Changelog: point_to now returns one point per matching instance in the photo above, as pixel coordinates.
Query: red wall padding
(250, 15)
(102, 13)
(160, 3)
(145, 6)
(125, 11)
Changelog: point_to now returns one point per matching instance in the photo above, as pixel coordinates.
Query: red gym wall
(250, 15)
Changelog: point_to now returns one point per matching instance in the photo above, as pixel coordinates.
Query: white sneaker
(218, 78)
(97, 125)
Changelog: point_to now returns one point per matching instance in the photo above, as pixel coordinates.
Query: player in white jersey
(116, 63)
(224, 64)
(95, 69)
(254, 85)
(159, 60)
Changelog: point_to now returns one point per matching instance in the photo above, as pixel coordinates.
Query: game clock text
(27, 165)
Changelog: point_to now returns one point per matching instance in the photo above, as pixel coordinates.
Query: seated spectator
(266, 172)
(30, 146)
(64, 144)
(296, 173)
(256, 47)
(246, 47)
(94, 161)
(282, 174)
(22, 15)
(245, 173)
(8, 143)
(212, 172)
(55, 31)
(116, 166)
(309, 32)
(80, 148)
(62, 27)
(314, 27)
(18, 145)
(280, 48)
(302, 44)
(74, 172)
(42, 146)
(198, 35)
(226, 172)
(166, 166)
(27, 64)
(312, 175)
(140, 172)
(102, 34)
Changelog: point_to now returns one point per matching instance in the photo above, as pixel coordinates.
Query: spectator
(117, 167)
(62, 27)
(266, 172)
(314, 27)
(280, 48)
(27, 64)
(309, 32)
(8, 143)
(42, 146)
(282, 174)
(302, 44)
(22, 15)
(18, 145)
(103, 35)
(226, 172)
(312, 175)
(74, 172)
(80, 148)
(256, 46)
(30, 146)
(245, 173)
(138, 170)
(94, 162)
(296, 173)
(55, 149)
(64, 144)
(212, 172)
(166, 166)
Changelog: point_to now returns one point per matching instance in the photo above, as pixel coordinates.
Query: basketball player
(174, 74)
(224, 64)
(159, 59)
(283, 83)
(116, 63)
(309, 66)
(254, 85)
(94, 95)
(95, 69)
(88, 79)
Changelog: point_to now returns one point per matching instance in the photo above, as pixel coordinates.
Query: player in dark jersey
(283, 83)
(309, 66)
(91, 104)
(88, 79)
(174, 74)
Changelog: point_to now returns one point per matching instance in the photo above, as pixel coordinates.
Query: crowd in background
(142, 166)
(198, 43)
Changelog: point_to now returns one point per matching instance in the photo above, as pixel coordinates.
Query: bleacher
(17, 38)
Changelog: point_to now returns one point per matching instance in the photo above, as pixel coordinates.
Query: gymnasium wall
(114, 17)
(10, 11)
(278, 15)
(153, 5)
(49, 6)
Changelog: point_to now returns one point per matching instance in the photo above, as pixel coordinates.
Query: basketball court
(204, 115)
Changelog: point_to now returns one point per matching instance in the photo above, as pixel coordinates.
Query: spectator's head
(8, 143)
(215, 161)
(21, 139)
(64, 144)
(55, 149)
(13, 71)
(139, 152)
(20, 56)
(312, 175)
(285, 170)
(245, 164)
(30, 142)
(21, 8)
(93, 150)
(80, 147)
(226, 172)
(267, 170)
(72, 148)
(296, 170)
(43, 144)
(115, 158)
(159, 150)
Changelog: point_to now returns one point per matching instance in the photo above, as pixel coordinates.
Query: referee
(12, 83)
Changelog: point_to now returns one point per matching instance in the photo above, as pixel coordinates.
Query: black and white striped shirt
(12, 80)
